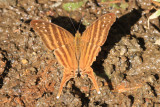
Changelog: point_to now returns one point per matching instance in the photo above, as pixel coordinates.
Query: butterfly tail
(67, 75)
(91, 76)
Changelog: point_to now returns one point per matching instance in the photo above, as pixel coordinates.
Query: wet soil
(127, 69)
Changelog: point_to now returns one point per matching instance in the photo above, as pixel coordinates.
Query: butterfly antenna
(80, 21)
(79, 24)
(72, 23)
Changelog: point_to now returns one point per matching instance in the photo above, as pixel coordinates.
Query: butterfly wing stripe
(65, 58)
(68, 55)
(87, 53)
(71, 56)
(46, 30)
(92, 57)
(96, 29)
(53, 33)
(96, 32)
(106, 23)
(103, 36)
(83, 54)
(60, 58)
(61, 36)
(68, 38)
(104, 33)
(40, 29)
(89, 58)
(47, 42)
(92, 30)
(71, 51)
(58, 34)
(92, 51)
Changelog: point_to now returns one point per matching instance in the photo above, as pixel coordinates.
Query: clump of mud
(127, 68)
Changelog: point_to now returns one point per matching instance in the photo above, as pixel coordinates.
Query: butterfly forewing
(58, 39)
(94, 37)
(66, 56)
(52, 35)
(88, 54)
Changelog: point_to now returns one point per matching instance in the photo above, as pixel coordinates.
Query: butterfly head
(78, 34)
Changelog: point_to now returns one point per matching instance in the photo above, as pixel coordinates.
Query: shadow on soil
(119, 29)
(6, 68)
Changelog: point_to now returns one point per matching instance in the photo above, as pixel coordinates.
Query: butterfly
(75, 54)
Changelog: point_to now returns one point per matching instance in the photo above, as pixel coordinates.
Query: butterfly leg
(67, 75)
(91, 76)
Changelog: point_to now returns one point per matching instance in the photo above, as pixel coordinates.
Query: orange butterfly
(75, 53)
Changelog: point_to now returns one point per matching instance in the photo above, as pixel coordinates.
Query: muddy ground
(127, 69)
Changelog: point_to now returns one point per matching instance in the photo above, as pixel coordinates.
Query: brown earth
(127, 69)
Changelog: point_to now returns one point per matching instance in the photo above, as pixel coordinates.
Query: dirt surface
(127, 69)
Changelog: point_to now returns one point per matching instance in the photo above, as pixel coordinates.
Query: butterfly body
(75, 53)
(77, 42)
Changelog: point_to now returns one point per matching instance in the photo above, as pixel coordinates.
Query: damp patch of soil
(127, 69)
